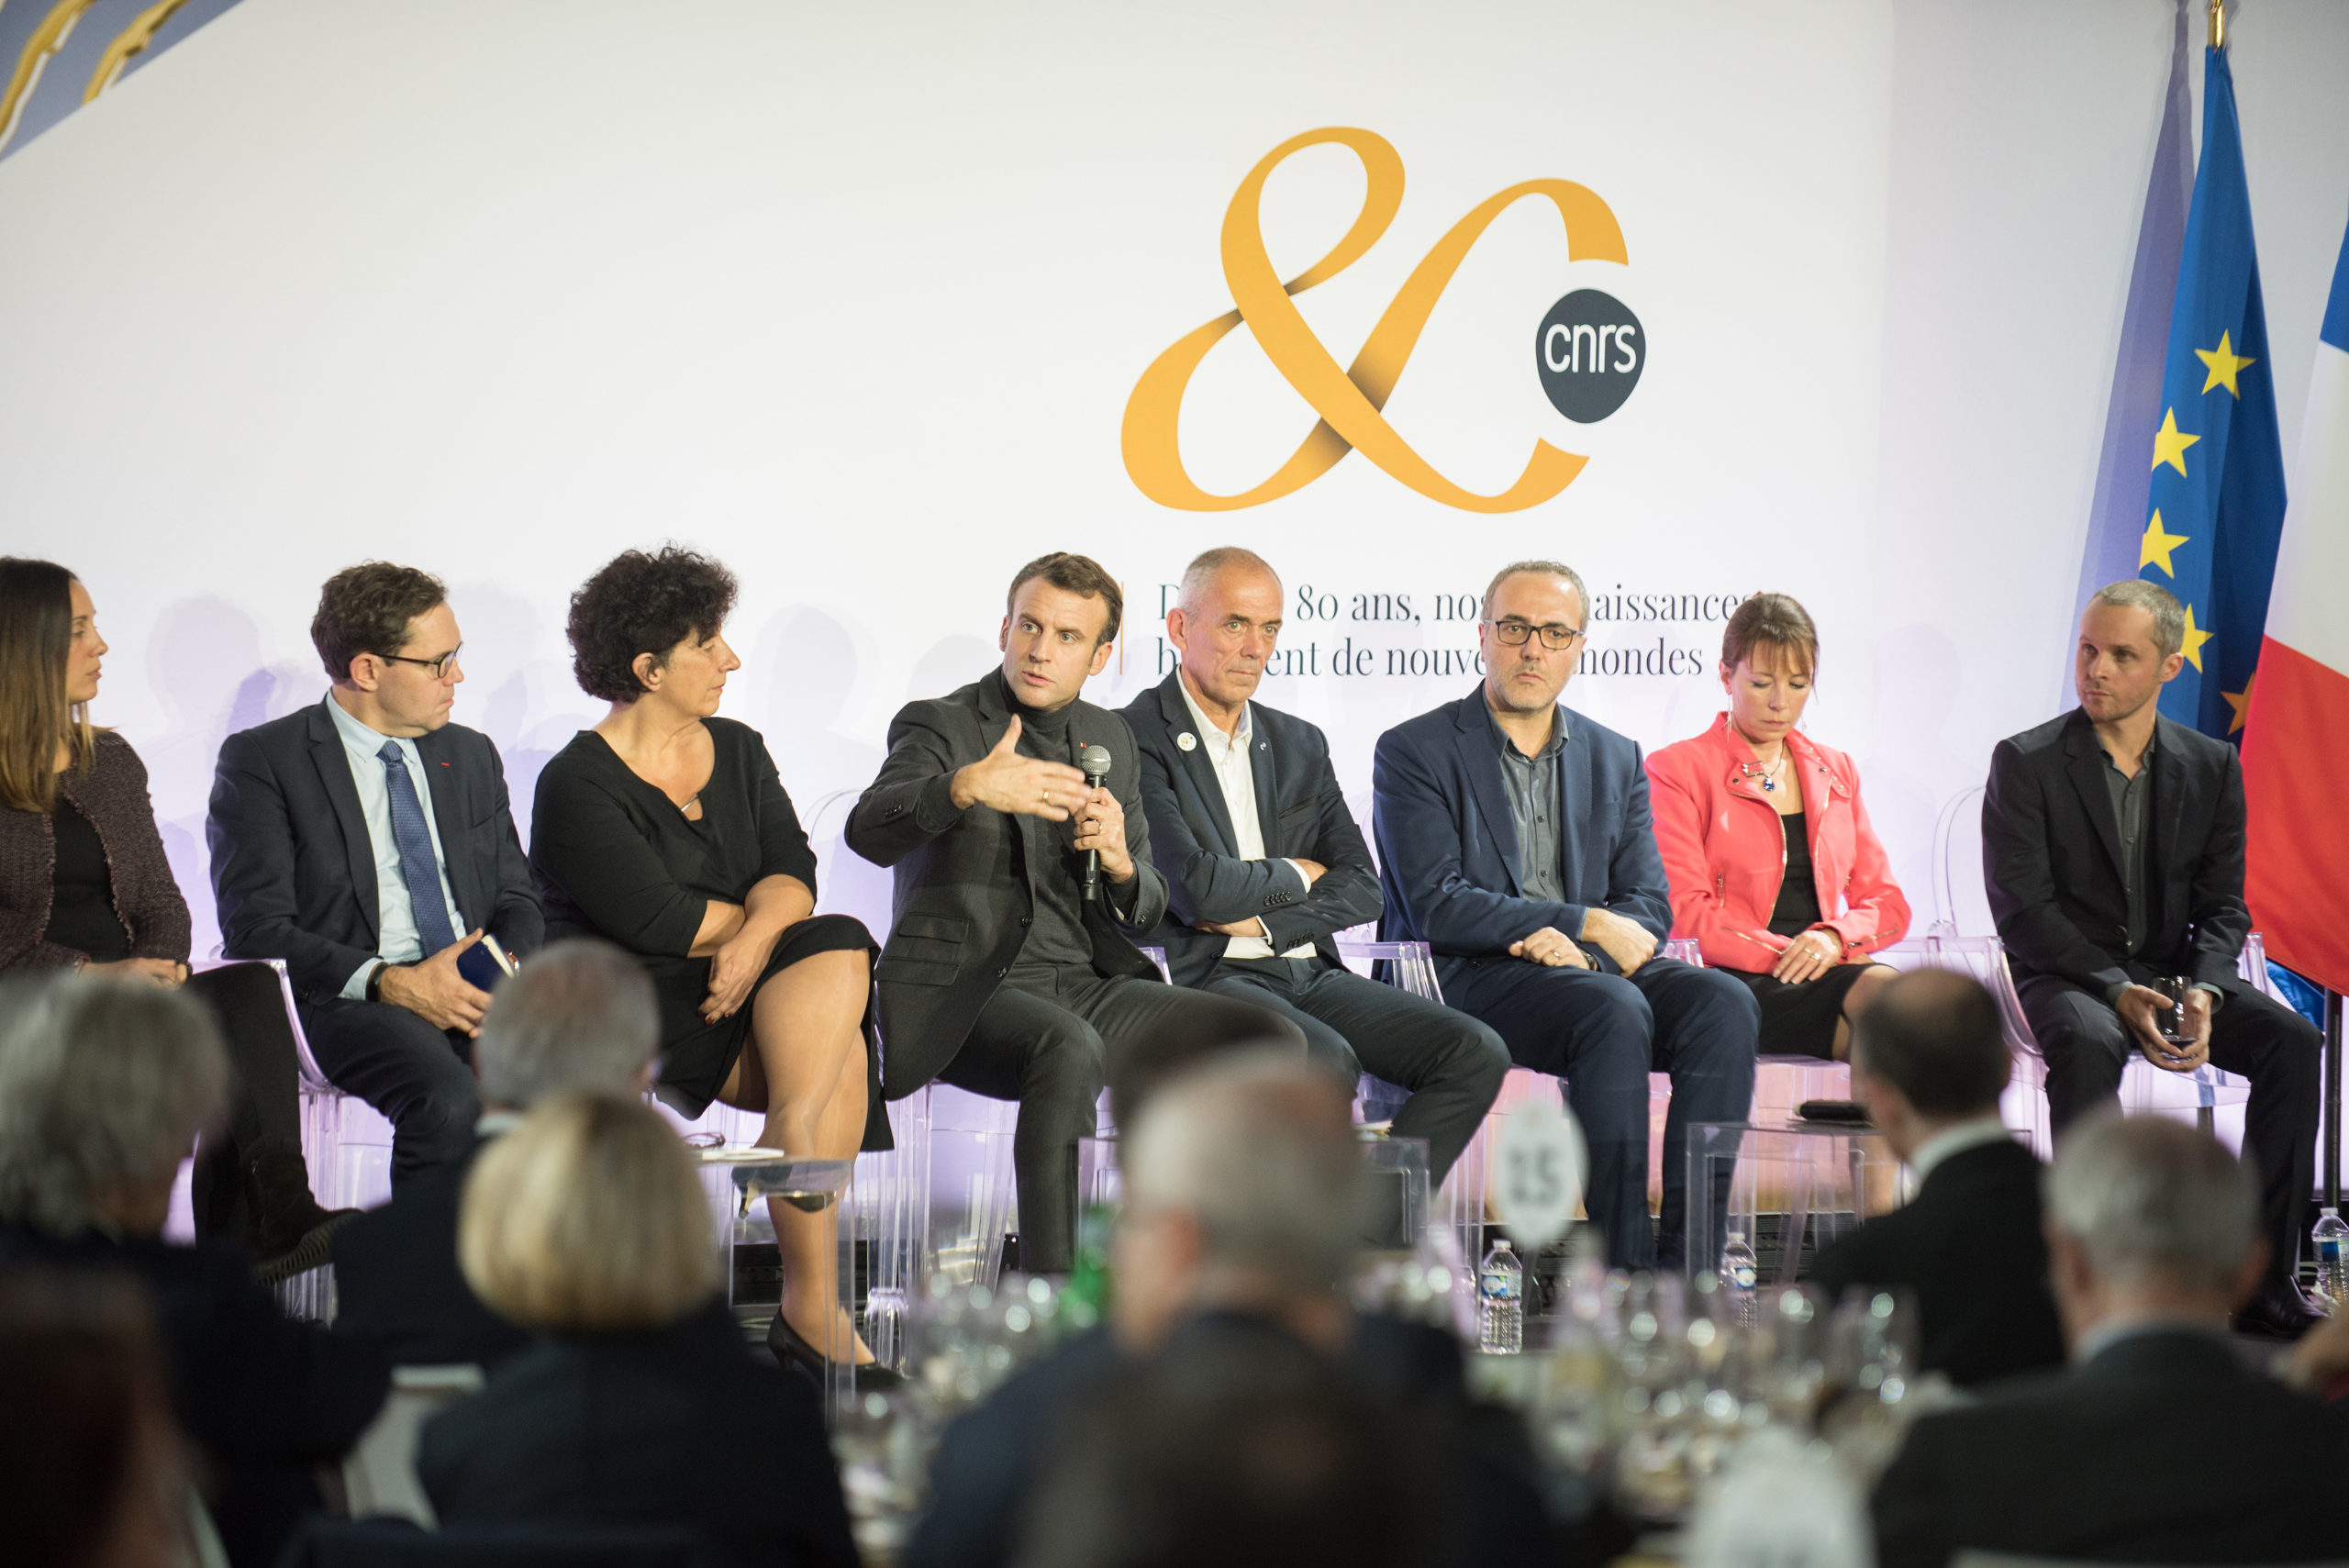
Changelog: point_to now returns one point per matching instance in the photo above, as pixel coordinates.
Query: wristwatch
(375, 982)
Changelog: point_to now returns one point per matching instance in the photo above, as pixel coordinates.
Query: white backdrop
(853, 298)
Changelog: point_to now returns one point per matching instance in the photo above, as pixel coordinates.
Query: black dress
(1799, 1019)
(617, 859)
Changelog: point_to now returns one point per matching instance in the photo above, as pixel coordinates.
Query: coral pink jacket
(1725, 853)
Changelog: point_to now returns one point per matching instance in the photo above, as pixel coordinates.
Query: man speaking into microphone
(1001, 975)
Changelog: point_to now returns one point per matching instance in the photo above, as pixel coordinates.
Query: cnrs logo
(1588, 348)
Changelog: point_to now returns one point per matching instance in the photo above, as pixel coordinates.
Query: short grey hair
(2138, 594)
(2147, 1197)
(1260, 1150)
(1208, 563)
(1538, 569)
(579, 1015)
(103, 1083)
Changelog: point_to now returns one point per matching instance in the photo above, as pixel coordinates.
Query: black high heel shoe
(785, 1341)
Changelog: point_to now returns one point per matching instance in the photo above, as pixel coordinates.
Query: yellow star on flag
(2241, 702)
(2192, 647)
(2154, 548)
(2224, 364)
(2170, 443)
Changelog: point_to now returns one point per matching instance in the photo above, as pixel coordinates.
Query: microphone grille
(1094, 761)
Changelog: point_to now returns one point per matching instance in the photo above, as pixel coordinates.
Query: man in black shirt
(2112, 848)
(1929, 1058)
(1011, 966)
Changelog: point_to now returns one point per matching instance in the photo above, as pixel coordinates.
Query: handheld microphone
(1095, 762)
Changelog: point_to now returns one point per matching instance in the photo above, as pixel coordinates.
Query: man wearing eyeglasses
(369, 843)
(1514, 839)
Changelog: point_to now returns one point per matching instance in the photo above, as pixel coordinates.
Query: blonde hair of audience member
(2149, 1220)
(1244, 1191)
(103, 1090)
(587, 1218)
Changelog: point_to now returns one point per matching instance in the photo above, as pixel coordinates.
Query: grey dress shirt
(1535, 798)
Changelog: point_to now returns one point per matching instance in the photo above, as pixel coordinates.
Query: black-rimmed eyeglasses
(1554, 636)
(447, 662)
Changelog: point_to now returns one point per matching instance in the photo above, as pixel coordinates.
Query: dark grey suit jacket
(957, 924)
(294, 871)
(2051, 856)
(1303, 815)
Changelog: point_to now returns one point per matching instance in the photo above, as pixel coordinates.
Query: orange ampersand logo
(1350, 401)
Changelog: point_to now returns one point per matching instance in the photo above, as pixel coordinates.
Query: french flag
(2296, 736)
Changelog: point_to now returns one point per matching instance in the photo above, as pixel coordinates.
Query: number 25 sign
(1541, 1165)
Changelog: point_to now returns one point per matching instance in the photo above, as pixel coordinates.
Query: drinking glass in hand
(2170, 1022)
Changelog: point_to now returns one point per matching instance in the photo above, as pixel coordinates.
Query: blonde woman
(640, 1404)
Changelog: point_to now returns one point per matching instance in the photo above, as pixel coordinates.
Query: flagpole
(2218, 24)
(2332, 1098)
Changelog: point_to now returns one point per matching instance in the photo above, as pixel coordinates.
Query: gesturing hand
(1102, 826)
(1551, 947)
(1628, 942)
(1808, 956)
(1003, 780)
(435, 992)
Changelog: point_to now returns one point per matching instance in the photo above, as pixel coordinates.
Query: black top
(616, 859)
(677, 1425)
(1797, 910)
(399, 1285)
(1969, 1244)
(2073, 1467)
(81, 903)
(267, 1399)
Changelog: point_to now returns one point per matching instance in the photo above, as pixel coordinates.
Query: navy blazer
(1302, 814)
(1447, 845)
(294, 871)
(397, 1284)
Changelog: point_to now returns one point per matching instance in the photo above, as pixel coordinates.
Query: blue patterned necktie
(419, 869)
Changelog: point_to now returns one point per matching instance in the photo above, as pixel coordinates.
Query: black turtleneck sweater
(1056, 935)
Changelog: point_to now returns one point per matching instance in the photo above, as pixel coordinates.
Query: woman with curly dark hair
(665, 829)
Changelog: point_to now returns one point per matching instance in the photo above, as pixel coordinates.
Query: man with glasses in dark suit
(369, 843)
(1514, 837)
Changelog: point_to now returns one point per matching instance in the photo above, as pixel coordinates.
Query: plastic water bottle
(1501, 1301)
(1740, 1274)
(2331, 1239)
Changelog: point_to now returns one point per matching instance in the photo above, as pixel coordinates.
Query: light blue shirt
(397, 940)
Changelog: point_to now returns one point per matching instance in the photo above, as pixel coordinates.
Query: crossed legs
(803, 1069)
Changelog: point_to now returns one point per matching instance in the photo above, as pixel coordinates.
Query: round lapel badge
(1188, 742)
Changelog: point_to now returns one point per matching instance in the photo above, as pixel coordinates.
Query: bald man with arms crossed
(1264, 865)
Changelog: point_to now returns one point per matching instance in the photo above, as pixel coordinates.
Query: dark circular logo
(1589, 352)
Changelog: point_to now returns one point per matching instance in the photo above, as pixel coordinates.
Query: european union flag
(2218, 463)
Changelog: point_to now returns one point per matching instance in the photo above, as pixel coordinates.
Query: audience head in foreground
(90, 1469)
(1929, 1060)
(1930, 1053)
(2161, 1443)
(1240, 1449)
(2149, 1221)
(639, 1403)
(103, 1090)
(588, 1219)
(1212, 1029)
(580, 1014)
(1244, 1192)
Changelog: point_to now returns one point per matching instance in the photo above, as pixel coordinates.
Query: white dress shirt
(397, 940)
(1978, 1133)
(1228, 756)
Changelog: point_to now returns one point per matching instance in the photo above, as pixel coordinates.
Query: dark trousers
(1452, 1063)
(1603, 1034)
(1044, 1038)
(264, 1110)
(421, 1078)
(2086, 1045)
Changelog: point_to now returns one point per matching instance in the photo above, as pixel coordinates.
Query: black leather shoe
(2279, 1312)
(785, 1341)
